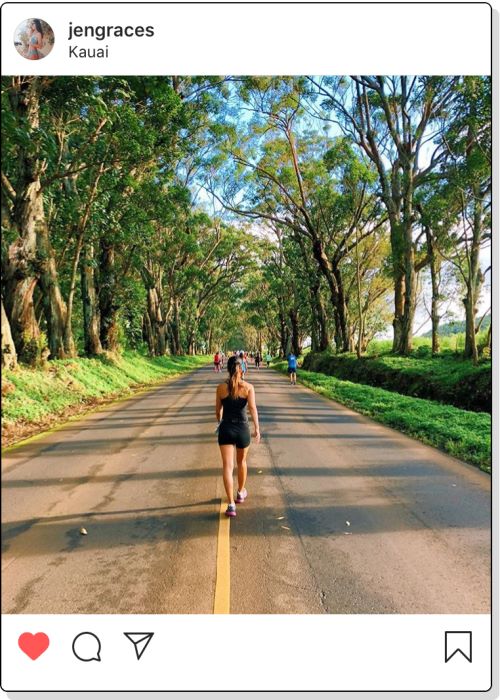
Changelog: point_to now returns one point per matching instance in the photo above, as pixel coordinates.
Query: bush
(447, 379)
(35, 351)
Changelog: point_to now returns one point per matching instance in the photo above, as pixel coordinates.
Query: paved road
(343, 515)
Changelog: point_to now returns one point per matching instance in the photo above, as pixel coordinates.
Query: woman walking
(217, 362)
(231, 400)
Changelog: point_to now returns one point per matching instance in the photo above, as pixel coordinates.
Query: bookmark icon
(458, 643)
(140, 640)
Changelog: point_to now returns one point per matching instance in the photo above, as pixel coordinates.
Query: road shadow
(309, 516)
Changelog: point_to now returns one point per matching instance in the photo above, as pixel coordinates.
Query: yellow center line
(223, 573)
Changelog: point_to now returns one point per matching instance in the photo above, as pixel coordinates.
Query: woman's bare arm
(252, 407)
(218, 405)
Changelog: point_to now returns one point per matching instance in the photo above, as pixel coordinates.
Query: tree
(9, 355)
(390, 118)
(468, 141)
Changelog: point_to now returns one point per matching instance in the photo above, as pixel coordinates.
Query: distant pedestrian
(217, 361)
(257, 360)
(231, 400)
(292, 368)
(244, 365)
(268, 359)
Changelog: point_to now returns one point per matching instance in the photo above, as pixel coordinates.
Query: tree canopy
(190, 214)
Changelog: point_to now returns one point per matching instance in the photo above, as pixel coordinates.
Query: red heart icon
(33, 644)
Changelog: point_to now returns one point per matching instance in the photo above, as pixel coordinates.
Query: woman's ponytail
(234, 379)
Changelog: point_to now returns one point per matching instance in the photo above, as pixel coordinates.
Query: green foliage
(448, 379)
(449, 344)
(40, 393)
(34, 352)
(462, 434)
(125, 165)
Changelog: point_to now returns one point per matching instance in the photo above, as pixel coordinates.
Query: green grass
(449, 344)
(448, 378)
(39, 393)
(463, 434)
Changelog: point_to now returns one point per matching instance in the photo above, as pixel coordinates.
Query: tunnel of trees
(188, 214)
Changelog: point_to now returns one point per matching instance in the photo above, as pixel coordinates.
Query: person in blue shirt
(292, 368)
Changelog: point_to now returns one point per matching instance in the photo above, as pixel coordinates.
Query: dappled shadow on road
(321, 515)
(78, 448)
(401, 470)
(11, 530)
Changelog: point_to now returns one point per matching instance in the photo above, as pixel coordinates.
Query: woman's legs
(227, 454)
(241, 459)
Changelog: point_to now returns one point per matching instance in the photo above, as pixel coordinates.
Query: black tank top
(235, 410)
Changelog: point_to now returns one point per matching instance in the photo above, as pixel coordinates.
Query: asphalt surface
(343, 515)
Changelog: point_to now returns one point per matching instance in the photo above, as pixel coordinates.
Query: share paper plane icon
(140, 640)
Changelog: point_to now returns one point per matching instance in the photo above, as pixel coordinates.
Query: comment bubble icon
(87, 647)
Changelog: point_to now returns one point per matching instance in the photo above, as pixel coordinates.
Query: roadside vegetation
(39, 398)
(462, 434)
(446, 378)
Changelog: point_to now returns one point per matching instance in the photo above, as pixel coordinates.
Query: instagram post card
(247, 348)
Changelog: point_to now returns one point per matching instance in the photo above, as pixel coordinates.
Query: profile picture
(34, 39)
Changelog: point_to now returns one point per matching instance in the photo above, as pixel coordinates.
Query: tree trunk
(193, 330)
(91, 320)
(353, 340)
(333, 277)
(69, 343)
(21, 268)
(434, 264)
(360, 306)
(294, 323)
(324, 333)
(470, 350)
(147, 332)
(175, 329)
(20, 307)
(54, 306)
(9, 355)
(341, 310)
(410, 296)
(398, 274)
(474, 278)
(284, 335)
(31, 256)
(108, 305)
(157, 321)
(320, 337)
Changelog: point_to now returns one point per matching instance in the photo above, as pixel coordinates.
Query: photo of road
(122, 512)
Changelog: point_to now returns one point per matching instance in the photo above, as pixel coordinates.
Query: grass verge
(446, 378)
(36, 399)
(462, 434)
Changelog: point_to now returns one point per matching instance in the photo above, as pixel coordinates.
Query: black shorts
(292, 371)
(234, 434)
